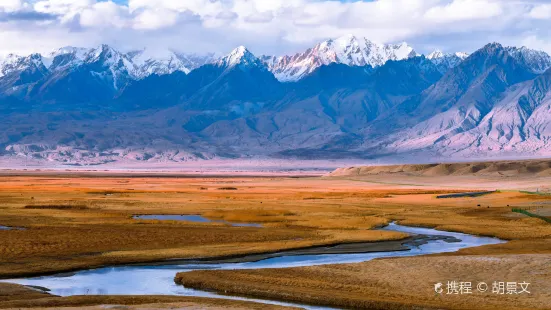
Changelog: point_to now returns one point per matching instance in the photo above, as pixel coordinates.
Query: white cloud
(155, 18)
(542, 11)
(104, 15)
(273, 26)
(62, 7)
(11, 5)
(536, 43)
(461, 10)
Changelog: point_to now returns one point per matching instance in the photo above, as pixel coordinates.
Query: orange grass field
(77, 221)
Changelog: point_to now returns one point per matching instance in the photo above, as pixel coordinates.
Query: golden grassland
(78, 222)
(74, 223)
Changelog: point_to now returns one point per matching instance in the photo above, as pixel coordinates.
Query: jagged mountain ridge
(446, 61)
(490, 102)
(142, 63)
(348, 50)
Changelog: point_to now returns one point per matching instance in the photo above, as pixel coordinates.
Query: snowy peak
(348, 50)
(537, 61)
(134, 65)
(344, 50)
(105, 54)
(240, 57)
(108, 63)
(438, 54)
(160, 62)
(194, 61)
(65, 57)
(14, 64)
(435, 55)
(446, 61)
(150, 61)
(462, 55)
(399, 51)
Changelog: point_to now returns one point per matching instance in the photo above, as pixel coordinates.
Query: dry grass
(294, 213)
(79, 222)
(75, 223)
(11, 292)
(404, 283)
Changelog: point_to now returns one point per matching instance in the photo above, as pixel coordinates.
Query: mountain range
(343, 98)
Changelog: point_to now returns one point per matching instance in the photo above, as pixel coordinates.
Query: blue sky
(270, 26)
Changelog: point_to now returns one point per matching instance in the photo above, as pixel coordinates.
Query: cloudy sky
(270, 26)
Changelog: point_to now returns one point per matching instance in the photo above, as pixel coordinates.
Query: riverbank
(159, 278)
(404, 244)
(13, 296)
(392, 283)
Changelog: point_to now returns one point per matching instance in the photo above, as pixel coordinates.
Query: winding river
(159, 279)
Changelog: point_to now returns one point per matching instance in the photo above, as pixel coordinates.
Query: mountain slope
(519, 123)
(458, 103)
(324, 111)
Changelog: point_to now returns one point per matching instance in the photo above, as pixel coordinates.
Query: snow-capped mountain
(348, 50)
(149, 61)
(537, 61)
(446, 61)
(240, 57)
(88, 73)
(136, 64)
(106, 61)
(162, 62)
(351, 98)
(14, 64)
(17, 73)
(195, 60)
(65, 57)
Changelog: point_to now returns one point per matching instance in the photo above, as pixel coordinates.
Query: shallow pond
(159, 279)
(190, 218)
